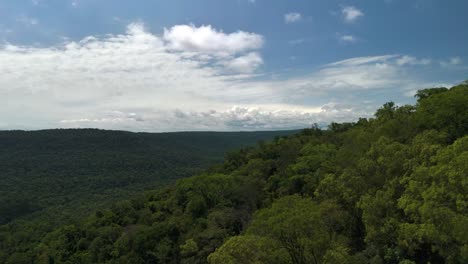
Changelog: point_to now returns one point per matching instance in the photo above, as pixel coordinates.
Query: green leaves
(445, 111)
(293, 230)
(249, 249)
(435, 202)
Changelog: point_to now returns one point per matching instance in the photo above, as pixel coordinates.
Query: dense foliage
(43, 169)
(51, 177)
(390, 189)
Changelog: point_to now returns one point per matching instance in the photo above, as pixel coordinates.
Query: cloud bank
(187, 78)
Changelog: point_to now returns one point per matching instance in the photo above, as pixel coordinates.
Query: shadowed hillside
(72, 168)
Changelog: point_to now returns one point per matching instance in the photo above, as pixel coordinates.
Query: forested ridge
(389, 189)
(54, 177)
(54, 168)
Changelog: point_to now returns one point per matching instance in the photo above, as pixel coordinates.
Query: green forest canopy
(390, 189)
(65, 169)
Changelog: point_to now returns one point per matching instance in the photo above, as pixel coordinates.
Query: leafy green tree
(435, 204)
(425, 93)
(297, 224)
(249, 249)
(445, 111)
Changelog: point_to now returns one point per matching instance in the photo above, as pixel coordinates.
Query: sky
(231, 65)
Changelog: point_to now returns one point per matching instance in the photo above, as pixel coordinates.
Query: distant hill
(63, 172)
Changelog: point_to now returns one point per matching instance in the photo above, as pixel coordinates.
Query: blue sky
(221, 65)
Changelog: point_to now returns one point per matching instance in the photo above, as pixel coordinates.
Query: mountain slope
(72, 168)
(390, 189)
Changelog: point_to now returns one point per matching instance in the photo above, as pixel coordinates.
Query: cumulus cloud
(206, 39)
(351, 14)
(234, 118)
(236, 51)
(244, 64)
(147, 82)
(292, 17)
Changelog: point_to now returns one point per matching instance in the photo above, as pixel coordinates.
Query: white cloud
(234, 118)
(351, 75)
(292, 17)
(361, 75)
(364, 60)
(412, 92)
(451, 62)
(145, 82)
(235, 51)
(455, 61)
(412, 61)
(348, 38)
(206, 39)
(244, 64)
(351, 13)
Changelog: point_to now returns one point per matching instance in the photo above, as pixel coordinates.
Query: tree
(249, 249)
(436, 207)
(297, 225)
(425, 93)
